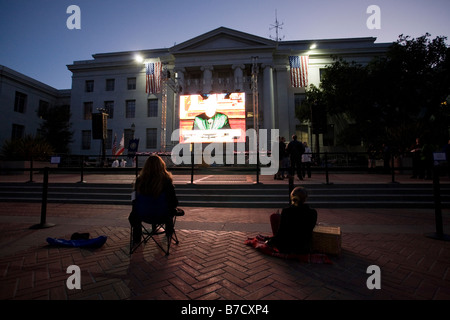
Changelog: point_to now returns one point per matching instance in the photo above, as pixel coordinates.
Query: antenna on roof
(277, 26)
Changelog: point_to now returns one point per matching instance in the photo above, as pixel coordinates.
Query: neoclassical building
(149, 94)
(23, 100)
(218, 62)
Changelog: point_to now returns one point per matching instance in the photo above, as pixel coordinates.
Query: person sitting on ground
(292, 229)
(153, 180)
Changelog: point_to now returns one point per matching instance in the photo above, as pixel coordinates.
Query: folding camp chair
(153, 212)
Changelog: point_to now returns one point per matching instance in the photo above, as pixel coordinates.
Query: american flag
(299, 71)
(153, 78)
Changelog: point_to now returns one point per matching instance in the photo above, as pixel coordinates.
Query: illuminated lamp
(313, 46)
(138, 58)
(204, 96)
(227, 95)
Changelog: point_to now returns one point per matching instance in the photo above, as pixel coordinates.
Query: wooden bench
(327, 239)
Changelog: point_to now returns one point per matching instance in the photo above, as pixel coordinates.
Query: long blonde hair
(153, 176)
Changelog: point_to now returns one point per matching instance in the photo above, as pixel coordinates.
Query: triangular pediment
(223, 39)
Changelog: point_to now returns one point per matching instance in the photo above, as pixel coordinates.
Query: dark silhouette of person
(295, 149)
(292, 229)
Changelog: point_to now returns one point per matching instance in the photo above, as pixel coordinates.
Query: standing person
(282, 156)
(372, 153)
(306, 160)
(416, 151)
(293, 228)
(295, 150)
(285, 161)
(153, 180)
(427, 161)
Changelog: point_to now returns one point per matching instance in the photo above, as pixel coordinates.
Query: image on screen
(217, 117)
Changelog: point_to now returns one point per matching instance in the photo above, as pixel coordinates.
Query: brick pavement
(212, 263)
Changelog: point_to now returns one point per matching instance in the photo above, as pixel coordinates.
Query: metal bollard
(81, 170)
(43, 223)
(439, 234)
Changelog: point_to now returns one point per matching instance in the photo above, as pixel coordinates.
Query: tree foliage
(56, 128)
(26, 148)
(395, 98)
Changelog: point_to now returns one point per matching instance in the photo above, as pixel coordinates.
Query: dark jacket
(295, 149)
(295, 232)
(282, 150)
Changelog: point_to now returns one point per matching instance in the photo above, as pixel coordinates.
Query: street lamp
(133, 129)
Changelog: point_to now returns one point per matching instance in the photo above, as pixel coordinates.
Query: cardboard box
(327, 239)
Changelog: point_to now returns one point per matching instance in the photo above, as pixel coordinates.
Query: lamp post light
(133, 129)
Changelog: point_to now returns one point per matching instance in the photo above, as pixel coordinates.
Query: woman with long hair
(153, 177)
(154, 180)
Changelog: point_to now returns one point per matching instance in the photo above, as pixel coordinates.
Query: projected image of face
(210, 109)
(215, 117)
(210, 119)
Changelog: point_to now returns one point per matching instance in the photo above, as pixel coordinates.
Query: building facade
(222, 61)
(23, 101)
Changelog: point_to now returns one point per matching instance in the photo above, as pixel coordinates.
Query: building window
(130, 108)
(43, 107)
(20, 102)
(302, 133)
(131, 83)
(86, 139)
(128, 135)
(110, 84)
(151, 141)
(152, 107)
(322, 73)
(87, 111)
(109, 109)
(17, 131)
(89, 87)
(298, 99)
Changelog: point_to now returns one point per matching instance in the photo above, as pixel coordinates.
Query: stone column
(207, 78)
(286, 119)
(180, 78)
(268, 97)
(238, 77)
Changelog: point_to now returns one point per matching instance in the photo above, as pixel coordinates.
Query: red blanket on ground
(259, 243)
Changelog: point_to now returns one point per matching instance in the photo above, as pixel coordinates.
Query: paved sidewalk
(212, 262)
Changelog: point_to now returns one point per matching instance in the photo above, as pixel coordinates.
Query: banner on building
(299, 71)
(153, 77)
(133, 147)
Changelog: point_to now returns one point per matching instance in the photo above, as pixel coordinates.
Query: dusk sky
(36, 41)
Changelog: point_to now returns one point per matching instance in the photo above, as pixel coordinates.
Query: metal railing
(321, 162)
(326, 162)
